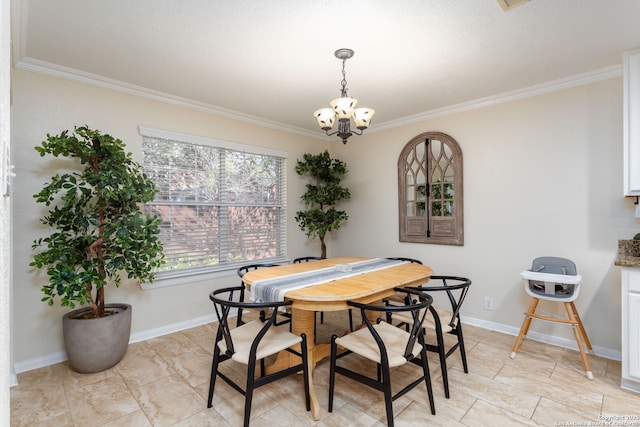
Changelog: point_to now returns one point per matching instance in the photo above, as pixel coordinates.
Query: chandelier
(344, 108)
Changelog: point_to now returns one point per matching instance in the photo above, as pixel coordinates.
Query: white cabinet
(631, 62)
(631, 329)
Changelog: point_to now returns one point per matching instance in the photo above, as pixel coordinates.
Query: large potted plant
(322, 194)
(99, 235)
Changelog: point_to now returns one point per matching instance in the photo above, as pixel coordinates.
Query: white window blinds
(221, 204)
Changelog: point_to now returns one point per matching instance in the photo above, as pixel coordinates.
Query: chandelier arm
(351, 132)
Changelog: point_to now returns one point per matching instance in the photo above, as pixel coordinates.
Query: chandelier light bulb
(362, 117)
(326, 117)
(344, 107)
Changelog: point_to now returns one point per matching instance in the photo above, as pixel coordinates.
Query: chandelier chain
(343, 83)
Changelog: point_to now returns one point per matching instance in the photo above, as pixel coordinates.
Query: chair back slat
(415, 331)
(224, 332)
(223, 301)
(416, 302)
(456, 304)
(449, 285)
(241, 272)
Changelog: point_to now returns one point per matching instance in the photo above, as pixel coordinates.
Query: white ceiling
(273, 59)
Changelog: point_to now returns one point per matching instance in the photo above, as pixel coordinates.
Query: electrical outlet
(488, 303)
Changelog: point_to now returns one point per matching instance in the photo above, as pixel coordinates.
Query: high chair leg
(525, 325)
(582, 330)
(577, 325)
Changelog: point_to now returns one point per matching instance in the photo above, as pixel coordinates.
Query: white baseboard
(61, 356)
(630, 385)
(13, 377)
(169, 329)
(607, 353)
(51, 359)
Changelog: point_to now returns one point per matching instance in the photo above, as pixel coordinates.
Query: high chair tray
(548, 277)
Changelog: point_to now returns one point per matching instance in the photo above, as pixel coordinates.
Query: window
(430, 190)
(222, 204)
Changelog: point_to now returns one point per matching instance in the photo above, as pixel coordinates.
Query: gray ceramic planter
(93, 345)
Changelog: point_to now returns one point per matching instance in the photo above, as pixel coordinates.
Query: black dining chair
(313, 258)
(241, 272)
(251, 343)
(387, 346)
(306, 259)
(399, 298)
(411, 260)
(442, 321)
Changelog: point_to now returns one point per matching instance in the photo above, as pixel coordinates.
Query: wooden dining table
(333, 295)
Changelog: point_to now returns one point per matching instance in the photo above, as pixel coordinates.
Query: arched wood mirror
(430, 190)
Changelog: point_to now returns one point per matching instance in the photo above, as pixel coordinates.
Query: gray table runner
(274, 289)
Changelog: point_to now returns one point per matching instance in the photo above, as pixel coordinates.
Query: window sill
(165, 279)
(183, 279)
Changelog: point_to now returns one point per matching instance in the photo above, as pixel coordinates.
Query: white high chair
(554, 279)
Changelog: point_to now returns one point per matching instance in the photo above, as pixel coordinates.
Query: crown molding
(528, 92)
(42, 67)
(53, 70)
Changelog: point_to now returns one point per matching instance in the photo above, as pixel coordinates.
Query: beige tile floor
(164, 382)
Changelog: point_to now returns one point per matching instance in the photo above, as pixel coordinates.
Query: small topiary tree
(99, 231)
(322, 194)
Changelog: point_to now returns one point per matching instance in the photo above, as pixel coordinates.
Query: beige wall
(44, 105)
(542, 176)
